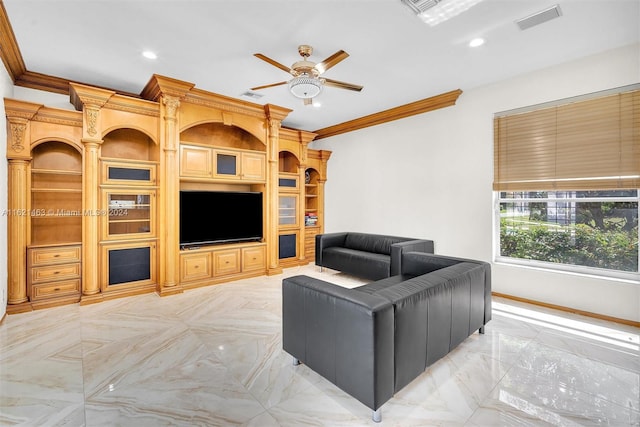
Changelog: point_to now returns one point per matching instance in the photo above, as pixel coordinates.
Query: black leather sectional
(373, 340)
(370, 256)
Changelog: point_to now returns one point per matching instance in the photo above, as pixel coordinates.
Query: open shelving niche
(54, 251)
(128, 235)
(218, 157)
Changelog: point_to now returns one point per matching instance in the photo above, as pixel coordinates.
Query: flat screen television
(209, 217)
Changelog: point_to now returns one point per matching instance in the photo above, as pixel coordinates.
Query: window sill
(592, 273)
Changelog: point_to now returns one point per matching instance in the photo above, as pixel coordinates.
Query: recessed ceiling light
(149, 54)
(476, 42)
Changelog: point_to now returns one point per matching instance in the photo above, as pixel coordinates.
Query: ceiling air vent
(419, 6)
(539, 17)
(252, 95)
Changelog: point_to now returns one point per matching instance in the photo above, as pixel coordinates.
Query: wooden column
(169, 93)
(90, 220)
(19, 115)
(169, 202)
(17, 225)
(273, 261)
(90, 100)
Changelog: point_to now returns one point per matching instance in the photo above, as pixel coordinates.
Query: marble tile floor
(213, 357)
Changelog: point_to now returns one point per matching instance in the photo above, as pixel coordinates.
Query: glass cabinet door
(288, 210)
(129, 214)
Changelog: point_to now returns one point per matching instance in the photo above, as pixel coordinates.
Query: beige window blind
(582, 145)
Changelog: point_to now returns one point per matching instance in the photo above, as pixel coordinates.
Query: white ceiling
(393, 54)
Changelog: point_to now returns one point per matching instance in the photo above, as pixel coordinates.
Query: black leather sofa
(373, 340)
(370, 256)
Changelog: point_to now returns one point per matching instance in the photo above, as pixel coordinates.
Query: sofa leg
(481, 330)
(377, 415)
(320, 269)
(296, 361)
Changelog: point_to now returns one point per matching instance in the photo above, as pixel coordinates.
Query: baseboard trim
(569, 310)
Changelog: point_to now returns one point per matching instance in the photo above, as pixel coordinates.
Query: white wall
(431, 175)
(6, 91)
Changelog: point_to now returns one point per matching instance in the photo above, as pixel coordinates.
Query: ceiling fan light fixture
(305, 86)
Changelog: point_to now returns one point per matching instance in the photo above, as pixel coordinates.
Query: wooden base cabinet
(128, 268)
(54, 274)
(216, 264)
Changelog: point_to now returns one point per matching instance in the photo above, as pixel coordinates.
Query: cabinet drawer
(55, 272)
(226, 262)
(61, 288)
(195, 267)
(253, 258)
(54, 255)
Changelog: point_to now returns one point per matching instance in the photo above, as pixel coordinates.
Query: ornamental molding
(17, 136)
(133, 105)
(92, 114)
(172, 103)
(59, 117)
(224, 107)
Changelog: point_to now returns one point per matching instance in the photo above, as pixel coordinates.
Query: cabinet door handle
(56, 289)
(56, 256)
(56, 272)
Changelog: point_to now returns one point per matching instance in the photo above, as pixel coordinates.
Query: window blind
(582, 145)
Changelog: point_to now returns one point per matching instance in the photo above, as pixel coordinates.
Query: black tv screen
(208, 217)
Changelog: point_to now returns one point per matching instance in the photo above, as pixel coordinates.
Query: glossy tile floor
(213, 357)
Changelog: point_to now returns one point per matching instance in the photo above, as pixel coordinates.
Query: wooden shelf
(56, 172)
(56, 190)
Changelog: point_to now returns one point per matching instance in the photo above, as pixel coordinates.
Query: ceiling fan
(306, 82)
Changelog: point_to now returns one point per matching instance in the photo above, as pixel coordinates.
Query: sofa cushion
(432, 316)
(372, 242)
(369, 265)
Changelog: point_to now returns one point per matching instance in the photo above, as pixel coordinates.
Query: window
(566, 176)
(592, 231)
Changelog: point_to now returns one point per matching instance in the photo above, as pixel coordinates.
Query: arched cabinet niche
(56, 194)
(224, 237)
(289, 207)
(128, 212)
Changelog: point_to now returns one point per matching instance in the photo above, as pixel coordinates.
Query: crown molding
(14, 63)
(9, 50)
(428, 104)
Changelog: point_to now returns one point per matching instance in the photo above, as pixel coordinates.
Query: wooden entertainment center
(94, 194)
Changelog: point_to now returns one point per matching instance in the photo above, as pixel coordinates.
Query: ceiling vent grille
(539, 17)
(252, 95)
(419, 6)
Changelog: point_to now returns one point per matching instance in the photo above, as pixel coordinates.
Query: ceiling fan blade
(273, 62)
(266, 86)
(323, 66)
(342, 85)
(308, 101)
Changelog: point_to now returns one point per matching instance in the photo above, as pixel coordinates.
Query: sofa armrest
(397, 249)
(342, 334)
(417, 263)
(326, 241)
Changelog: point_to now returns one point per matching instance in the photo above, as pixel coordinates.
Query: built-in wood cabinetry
(216, 264)
(198, 162)
(94, 193)
(54, 274)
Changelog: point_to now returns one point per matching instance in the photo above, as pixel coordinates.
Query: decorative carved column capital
(17, 130)
(92, 113)
(171, 103)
